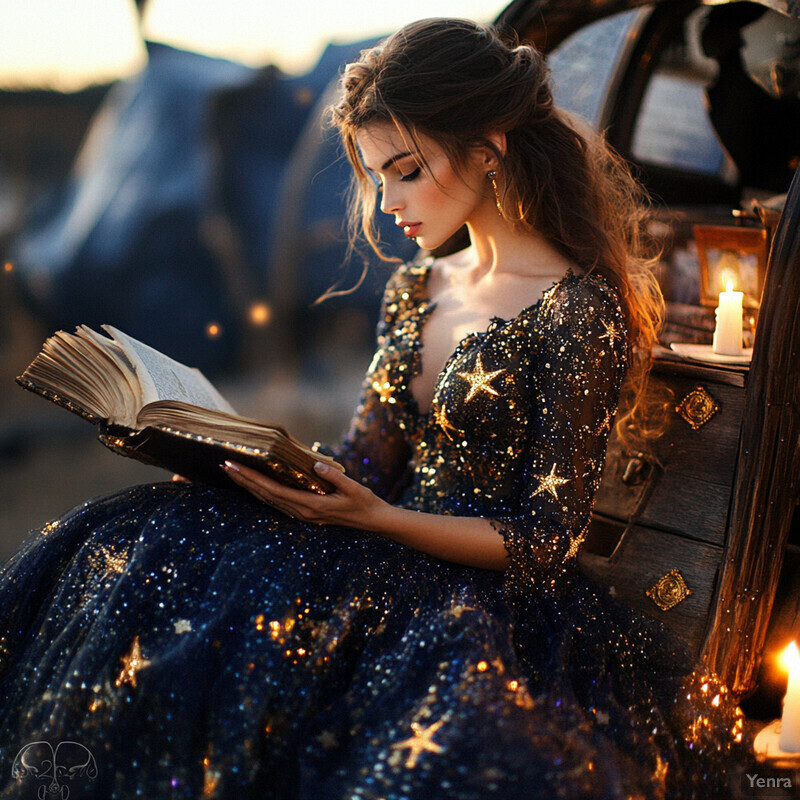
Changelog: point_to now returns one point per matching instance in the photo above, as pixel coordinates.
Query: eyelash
(413, 175)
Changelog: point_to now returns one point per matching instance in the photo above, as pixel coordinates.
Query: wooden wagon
(698, 526)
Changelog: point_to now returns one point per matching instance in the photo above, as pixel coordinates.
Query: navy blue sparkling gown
(177, 641)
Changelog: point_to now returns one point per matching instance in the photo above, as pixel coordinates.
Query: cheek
(449, 195)
(435, 196)
(454, 201)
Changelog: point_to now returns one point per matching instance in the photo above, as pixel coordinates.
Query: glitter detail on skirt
(198, 644)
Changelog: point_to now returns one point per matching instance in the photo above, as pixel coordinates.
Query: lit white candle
(728, 331)
(789, 740)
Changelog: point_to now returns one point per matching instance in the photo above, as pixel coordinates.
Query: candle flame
(790, 657)
(729, 286)
(728, 271)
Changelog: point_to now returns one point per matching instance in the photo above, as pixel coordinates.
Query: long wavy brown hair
(456, 81)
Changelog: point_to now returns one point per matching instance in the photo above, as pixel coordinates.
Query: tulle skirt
(176, 641)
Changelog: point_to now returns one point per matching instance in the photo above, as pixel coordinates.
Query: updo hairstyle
(456, 81)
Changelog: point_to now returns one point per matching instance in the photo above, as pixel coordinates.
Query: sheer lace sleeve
(375, 450)
(578, 360)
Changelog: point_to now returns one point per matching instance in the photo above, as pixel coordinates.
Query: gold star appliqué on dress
(575, 543)
(132, 662)
(612, 332)
(384, 389)
(107, 562)
(550, 483)
(421, 741)
(440, 415)
(457, 609)
(479, 380)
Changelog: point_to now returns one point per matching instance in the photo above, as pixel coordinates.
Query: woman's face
(430, 205)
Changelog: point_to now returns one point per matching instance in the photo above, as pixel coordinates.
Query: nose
(391, 201)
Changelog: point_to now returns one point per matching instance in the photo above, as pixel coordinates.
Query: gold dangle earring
(492, 176)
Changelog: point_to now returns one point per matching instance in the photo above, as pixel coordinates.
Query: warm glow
(790, 657)
(8, 266)
(291, 35)
(213, 330)
(68, 45)
(727, 278)
(260, 314)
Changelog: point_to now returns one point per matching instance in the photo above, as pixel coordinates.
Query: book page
(84, 372)
(163, 378)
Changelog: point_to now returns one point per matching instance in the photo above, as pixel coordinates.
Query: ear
(496, 144)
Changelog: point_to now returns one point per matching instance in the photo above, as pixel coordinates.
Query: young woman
(422, 631)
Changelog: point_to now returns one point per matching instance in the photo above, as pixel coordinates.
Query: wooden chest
(658, 532)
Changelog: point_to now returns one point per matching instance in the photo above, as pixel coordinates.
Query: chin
(445, 246)
(430, 242)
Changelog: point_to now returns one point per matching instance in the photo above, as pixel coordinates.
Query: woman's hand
(351, 504)
(466, 540)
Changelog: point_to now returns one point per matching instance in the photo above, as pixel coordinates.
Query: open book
(157, 410)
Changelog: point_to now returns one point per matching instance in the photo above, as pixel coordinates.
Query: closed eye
(411, 175)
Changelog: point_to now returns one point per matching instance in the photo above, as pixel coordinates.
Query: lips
(410, 229)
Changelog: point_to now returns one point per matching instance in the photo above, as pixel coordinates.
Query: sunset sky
(69, 44)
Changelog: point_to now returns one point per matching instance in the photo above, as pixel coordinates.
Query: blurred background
(164, 168)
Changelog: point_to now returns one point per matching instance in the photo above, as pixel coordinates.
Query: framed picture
(731, 254)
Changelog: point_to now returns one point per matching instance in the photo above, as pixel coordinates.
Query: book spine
(126, 443)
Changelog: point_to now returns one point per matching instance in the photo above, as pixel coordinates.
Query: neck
(498, 248)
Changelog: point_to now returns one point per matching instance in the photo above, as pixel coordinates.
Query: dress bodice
(520, 415)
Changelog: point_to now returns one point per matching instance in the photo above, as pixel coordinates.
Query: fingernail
(230, 465)
(321, 468)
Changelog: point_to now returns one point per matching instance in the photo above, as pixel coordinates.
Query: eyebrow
(393, 159)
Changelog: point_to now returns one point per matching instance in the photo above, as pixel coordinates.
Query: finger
(292, 502)
(255, 483)
(252, 479)
(259, 493)
(300, 497)
(335, 477)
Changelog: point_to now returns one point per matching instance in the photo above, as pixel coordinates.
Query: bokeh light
(260, 314)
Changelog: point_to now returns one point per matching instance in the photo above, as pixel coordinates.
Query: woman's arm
(471, 541)
(580, 356)
(466, 540)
